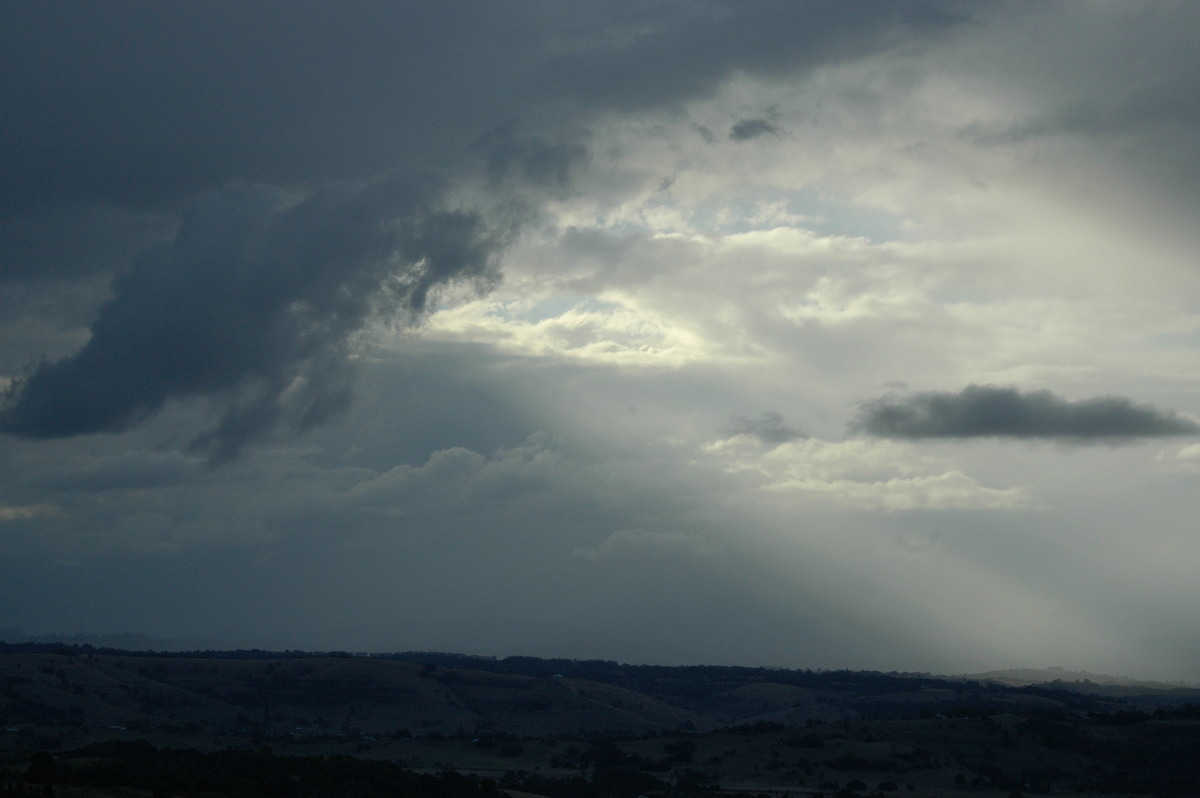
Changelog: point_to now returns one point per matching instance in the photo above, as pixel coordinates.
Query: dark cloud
(128, 471)
(989, 411)
(124, 121)
(254, 304)
(1154, 108)
(531, 159)
(140, 104)
(49, 245)
(635, 56)
(1131, 93)
(768, 428)
(746, 129)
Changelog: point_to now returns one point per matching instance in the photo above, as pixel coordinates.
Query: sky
(803, 334)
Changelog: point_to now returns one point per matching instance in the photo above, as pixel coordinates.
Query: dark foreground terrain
(79, 721)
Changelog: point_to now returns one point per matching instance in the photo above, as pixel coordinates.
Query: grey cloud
(1131, 91)
(142, 104)
(132, 110)
(531, 159)
(1139, 76)
(1164, 106)
(636, 56)
(747, 129)
(1084, 117)
(768, 428)
(1153, 130)
(129, 471)
(54, 244)
(589, 554)
(253, 304)
(992, 411)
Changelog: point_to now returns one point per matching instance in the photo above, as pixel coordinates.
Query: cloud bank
(253, 305)
(254, 131)
(988, 411)
(747, 129)
(770, 428)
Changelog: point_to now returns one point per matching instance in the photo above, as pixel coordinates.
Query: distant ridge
(133, 643)
(123, 641)
(1022, 677)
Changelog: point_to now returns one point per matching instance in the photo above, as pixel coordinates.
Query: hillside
(722, 728)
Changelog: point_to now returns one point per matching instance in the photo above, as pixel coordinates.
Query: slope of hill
(652, 729)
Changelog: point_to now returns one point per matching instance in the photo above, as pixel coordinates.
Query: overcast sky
(813, 334)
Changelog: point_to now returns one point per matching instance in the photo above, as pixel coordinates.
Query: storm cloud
(253, 304)
(246, 128)
(770, 428)
(983, 411)
(137, 103)
(747, 129)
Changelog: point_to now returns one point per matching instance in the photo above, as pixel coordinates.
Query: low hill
(703, 729)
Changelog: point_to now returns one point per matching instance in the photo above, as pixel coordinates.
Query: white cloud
(952, 490)
(605, 333)
(859, 474)
(19, 513)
